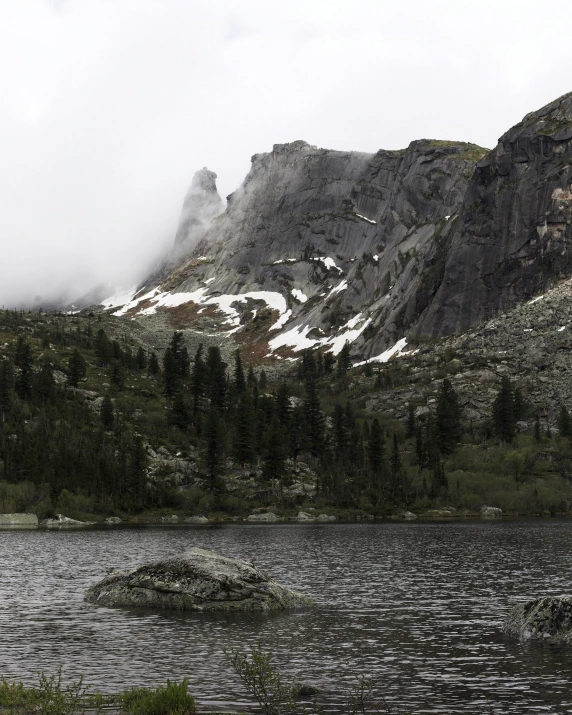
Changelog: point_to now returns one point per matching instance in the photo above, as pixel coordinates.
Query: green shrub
(171, 699)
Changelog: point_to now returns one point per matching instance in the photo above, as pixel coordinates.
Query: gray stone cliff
(513, 236)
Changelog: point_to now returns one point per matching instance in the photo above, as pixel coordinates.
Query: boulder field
(199, 580)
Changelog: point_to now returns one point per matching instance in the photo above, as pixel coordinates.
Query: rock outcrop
(18, 520)
(323, 246)
(513, 237)
(201, 205)
(548, 618)
(200, 580)
(64, 522)
(319, 247)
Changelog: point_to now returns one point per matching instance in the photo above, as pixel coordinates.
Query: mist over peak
(106, 109)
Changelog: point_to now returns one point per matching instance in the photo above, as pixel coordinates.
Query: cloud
(108, 107)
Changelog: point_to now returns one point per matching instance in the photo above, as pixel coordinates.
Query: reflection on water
(417, 606)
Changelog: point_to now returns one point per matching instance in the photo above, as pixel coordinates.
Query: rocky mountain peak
(202, 203)
(513, 236)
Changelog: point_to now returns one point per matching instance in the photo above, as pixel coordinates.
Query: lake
(417, 606)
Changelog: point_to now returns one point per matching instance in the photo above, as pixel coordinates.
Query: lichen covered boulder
(548, 618)
(199, 580)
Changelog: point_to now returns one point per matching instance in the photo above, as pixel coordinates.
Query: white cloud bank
(108, 107)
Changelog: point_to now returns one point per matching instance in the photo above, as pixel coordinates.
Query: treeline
(232, 419)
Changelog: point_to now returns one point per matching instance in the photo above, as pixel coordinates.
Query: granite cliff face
(513, 236)
(319, 247)
(338, 245)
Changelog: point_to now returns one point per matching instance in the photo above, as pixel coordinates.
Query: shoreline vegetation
(93, 422)
(270, 693)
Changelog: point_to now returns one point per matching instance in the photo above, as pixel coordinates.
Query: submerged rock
(548, 618)
(200, 580)
(64, 522)
(18, 520)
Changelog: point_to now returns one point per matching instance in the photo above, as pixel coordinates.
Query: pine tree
(180, 411)
(376, 449)
(448, 418)
(503, 412)
(239, 379)
(136, 478)
(214, 451)
(397, 486)
(564, 422)
(44, 382)
(263, 381)
(170, 373)
(198, 379)
(102, 348)
(344, 360)
(244, 434)
(106, 413)
(274, 465)
(24, 361)
(154, 365)
(6, 387)
(216, 379)
(77, 367)
(251, 380)
(141, 359)
(117, 374)
(314, 419)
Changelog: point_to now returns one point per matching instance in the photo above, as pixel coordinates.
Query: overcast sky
(108, 107)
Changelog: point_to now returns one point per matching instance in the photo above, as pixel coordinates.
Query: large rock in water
(200, 580)
(548, 618)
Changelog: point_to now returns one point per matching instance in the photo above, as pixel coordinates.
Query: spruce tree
(251, 380)
(102, 348)
(117, 374)
(154, 367)
(376, 449)
(314, 419)
(44, 382)
(24, 361)
(136, 478)
(263, 381)
(170, 373)
(397, 485)
(141, 359)
(244, 431)
(77, 368)
(214, 451)
(239, 379)
(503, 412)
(274, 465)
(6, 387)
(107, 413)
(447, 418)
(216, 379)
(180, 410)
(344, 360)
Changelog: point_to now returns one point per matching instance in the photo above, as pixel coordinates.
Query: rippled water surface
(417, 606)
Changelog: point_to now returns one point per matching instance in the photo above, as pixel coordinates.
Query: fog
(108, 107)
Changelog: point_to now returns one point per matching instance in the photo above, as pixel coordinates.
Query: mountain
(319, 247)
(512, 237)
